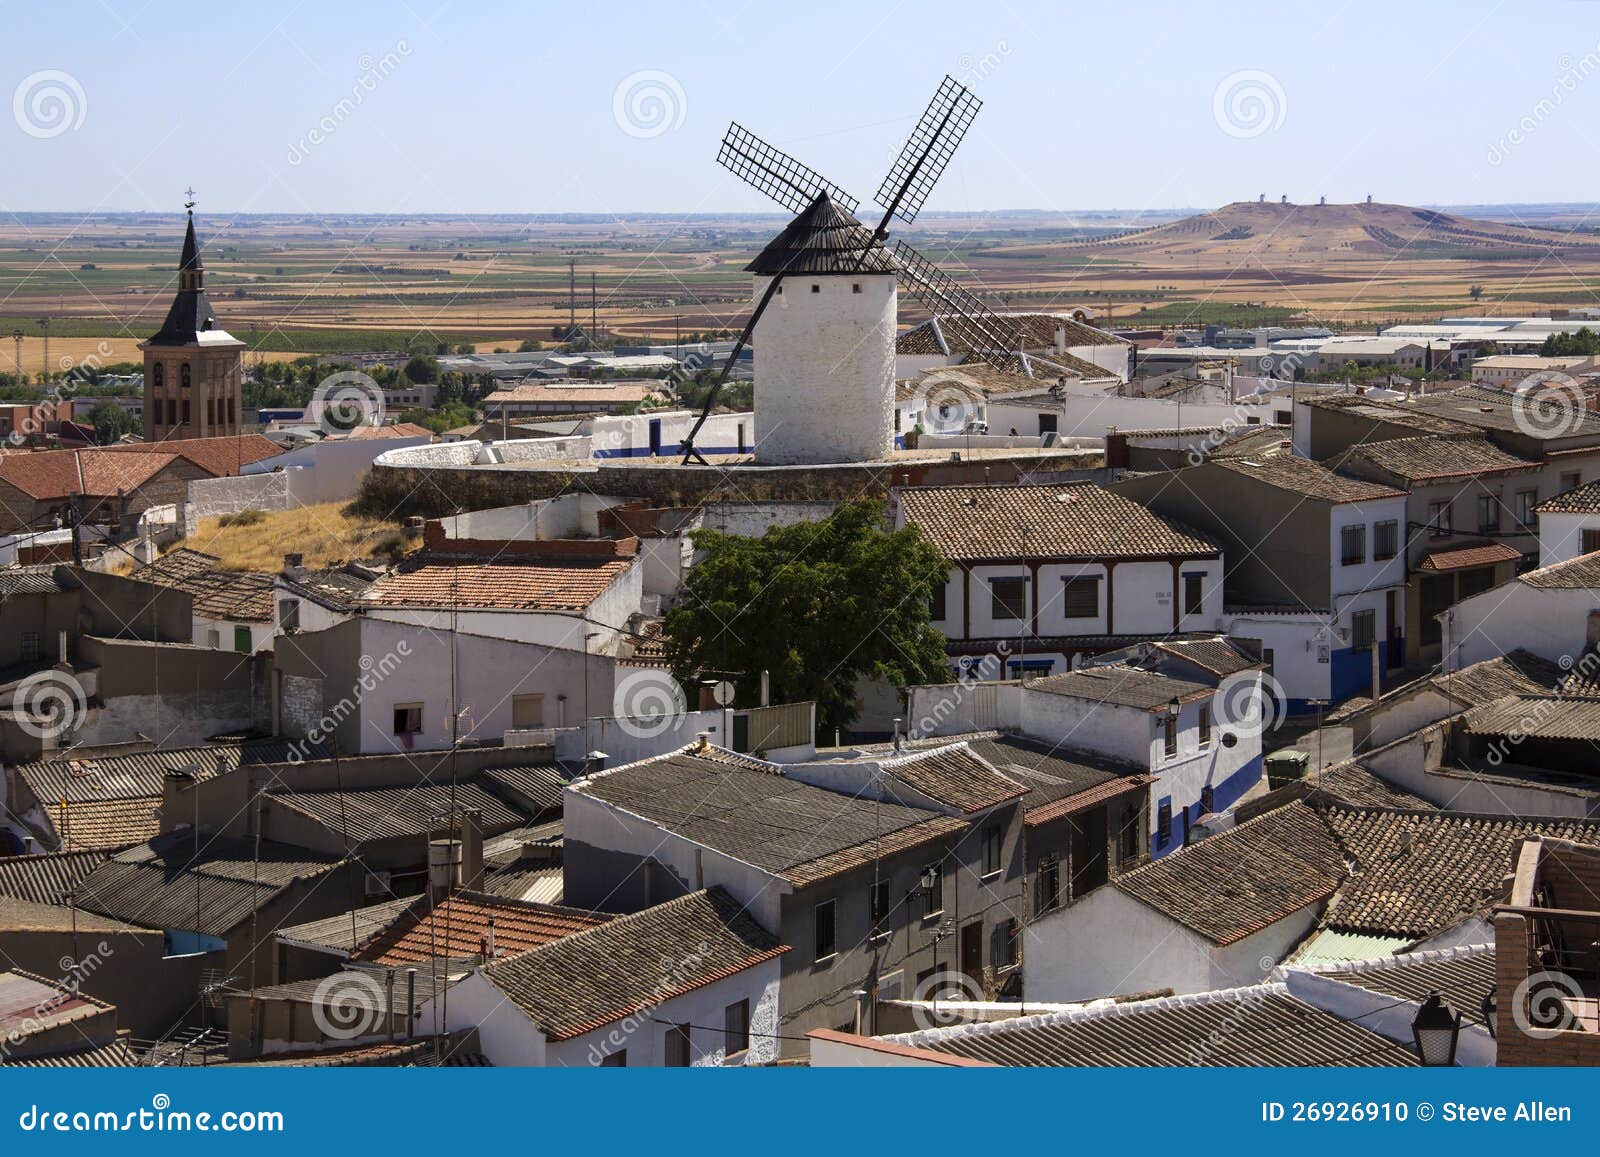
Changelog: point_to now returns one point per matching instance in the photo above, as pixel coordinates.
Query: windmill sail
(927, 151)
(943, 294)
(776, 173)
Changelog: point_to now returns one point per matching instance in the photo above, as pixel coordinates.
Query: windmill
(825, 237)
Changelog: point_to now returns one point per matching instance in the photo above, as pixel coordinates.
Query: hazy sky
(473, 107)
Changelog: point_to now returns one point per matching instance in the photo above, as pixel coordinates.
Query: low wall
(212, 496)
(404, 486)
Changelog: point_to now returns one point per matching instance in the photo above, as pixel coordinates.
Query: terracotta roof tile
(955, 776)
(1304, 477)
(1583, 499)
(591, 978)
(1076, 520)
(510, 584)
(219, 457)
(1233, 884)
(1123, 686)
(1435, 457)
(463, 924)
(1466, 557)
(1581, 573)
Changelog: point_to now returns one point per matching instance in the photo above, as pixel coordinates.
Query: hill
(1264, 230)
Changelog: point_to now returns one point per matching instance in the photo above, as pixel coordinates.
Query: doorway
(972, 951)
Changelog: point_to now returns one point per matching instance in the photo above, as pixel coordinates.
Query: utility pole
(44, 324)
(572, 299)
(16, 336)
(594, 308)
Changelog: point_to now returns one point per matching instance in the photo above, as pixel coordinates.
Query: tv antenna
(903, 192)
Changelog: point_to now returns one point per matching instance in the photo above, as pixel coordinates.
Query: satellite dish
(722, 693)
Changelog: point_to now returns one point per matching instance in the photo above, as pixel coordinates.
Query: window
(1205, 726)
(1385, 539)
(880, 903)
(1164, 823)
(289, 614)
(855, 287)
(1488, 514)
(1169, 735)
(408, 718)
(736, 1027)
(160, 376)
(1128, 834)
(1009, 597)
(1353, 545)
(1526, 501)
(1363, 629)
(1208, 799)
(1571, 480)
(30, 646)
(991, 849)
(1003, 944)
(616, 1060)
(1193, 594)
(1438, 519)
(184, 375)
(824, 944)
(241, 640)
(676, 1050)
(815, 288)
(1047, 884)
(936, 606)
(1591, 541)
(1080, 598)
(527, 711)
(932, 889)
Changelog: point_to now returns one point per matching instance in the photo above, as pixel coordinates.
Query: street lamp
(1436, 1029)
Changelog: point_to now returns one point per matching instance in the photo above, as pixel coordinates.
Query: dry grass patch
(324, 534)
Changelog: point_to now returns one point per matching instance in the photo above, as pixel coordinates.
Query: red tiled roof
(1465, 557)
(217, 456)
(507, 585)
(462, 925)
(51, 474)
(397, 430)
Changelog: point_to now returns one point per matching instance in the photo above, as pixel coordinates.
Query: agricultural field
(296, 285)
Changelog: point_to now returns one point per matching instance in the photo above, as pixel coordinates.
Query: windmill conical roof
(826, 238)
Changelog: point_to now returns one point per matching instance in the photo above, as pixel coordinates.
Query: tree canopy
(1584, 343)
(818, 605)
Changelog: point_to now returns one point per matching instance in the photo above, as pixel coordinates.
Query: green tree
(422, 368)
(110, 422)
(818, 605)
(1585, 343)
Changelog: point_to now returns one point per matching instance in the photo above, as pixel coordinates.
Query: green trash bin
(1286, 766)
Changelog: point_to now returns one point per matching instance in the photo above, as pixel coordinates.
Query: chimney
(766, 689)
(898, 743)
(444, 868)
(61, 646)
(176, 810)
(488, 947)
(293, 562)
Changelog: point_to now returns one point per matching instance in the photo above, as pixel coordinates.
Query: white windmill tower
(825, 357)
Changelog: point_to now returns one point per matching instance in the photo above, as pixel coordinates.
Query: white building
(825, 345)
(1553, 611)
(691, 982)
(1569, 524)
(1060, 571)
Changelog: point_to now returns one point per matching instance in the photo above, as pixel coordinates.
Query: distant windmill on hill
(825, 391)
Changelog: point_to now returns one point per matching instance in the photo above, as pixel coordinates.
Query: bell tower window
(184, 375)
(160, 376)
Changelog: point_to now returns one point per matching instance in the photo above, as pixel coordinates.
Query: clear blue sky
(510, 107)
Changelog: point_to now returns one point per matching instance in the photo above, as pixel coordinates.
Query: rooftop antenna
(795, 186)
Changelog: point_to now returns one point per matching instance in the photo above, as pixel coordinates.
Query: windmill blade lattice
(928, 150)
(774, 172)
(943, 294)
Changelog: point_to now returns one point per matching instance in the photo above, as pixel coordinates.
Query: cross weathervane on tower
(188, 198)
